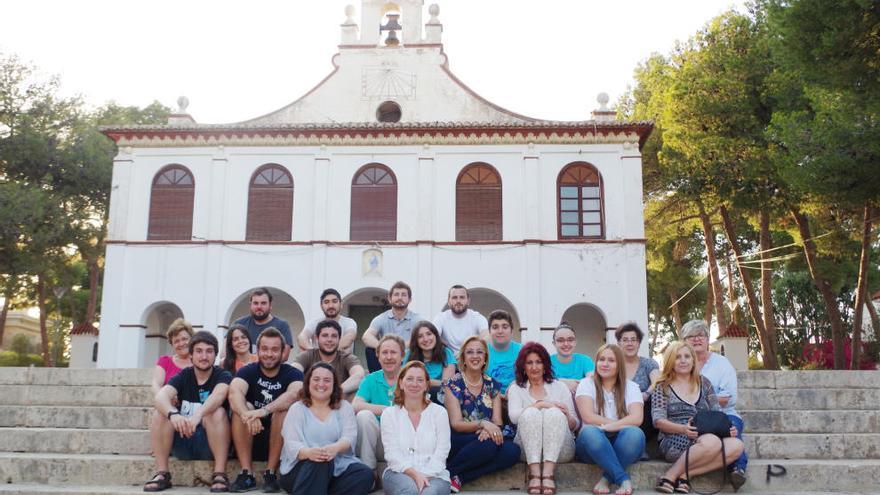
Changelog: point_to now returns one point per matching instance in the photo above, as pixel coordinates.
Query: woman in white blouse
(543, 411)
(611, 436)
(415, 436)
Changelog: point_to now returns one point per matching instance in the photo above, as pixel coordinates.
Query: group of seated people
(443, 409)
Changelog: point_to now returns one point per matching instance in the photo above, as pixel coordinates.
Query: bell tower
(391, 23)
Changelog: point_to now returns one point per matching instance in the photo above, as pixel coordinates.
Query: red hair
(520, 365)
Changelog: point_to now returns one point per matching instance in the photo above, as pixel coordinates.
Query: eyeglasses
(629, 341)
(701, 336)
(474, 353)
(569, 340)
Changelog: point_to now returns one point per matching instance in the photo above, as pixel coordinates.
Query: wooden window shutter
(270, 204)
(580, 202)
(478, 215)
(171, 205)
(374, 204)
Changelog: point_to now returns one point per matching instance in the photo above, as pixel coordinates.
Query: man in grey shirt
(397, 321)
(331, 306)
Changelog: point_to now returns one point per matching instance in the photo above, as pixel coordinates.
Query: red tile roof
(83, 329)
(734, 331)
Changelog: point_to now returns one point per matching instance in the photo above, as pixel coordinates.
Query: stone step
(107, 417)
(26, 489)
(793, 399)
(75, 441)
(82, 395)
(813, 446)
(850, 475)
(813, 379)
(812, 421)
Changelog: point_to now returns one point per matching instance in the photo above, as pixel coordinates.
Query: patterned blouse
(642, 376)
(673, 408)
(477, 408)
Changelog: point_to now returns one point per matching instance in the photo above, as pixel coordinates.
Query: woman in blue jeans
(611, 436)
(473, 402)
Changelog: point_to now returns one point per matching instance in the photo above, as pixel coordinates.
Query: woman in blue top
(319, 435)
(473, 401)
(425, 346)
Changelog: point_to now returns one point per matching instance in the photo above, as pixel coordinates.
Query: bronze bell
(392, 27)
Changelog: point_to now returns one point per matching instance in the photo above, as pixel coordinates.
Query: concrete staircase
(85, 431)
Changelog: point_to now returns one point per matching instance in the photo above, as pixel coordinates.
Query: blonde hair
(464, 344)
(177, 326)
(668, 373)
(619, 388)
(398, 391)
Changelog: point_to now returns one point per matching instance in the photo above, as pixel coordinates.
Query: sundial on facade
(387, 81)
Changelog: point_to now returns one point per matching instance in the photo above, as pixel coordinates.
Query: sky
(235, 61)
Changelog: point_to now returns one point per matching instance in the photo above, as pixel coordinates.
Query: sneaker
(244, 482)
(738, 478)
(270, 482)
(454, 484)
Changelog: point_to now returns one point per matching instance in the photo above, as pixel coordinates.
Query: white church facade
(389, 169)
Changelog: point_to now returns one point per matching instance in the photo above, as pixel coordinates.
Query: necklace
(478, 384)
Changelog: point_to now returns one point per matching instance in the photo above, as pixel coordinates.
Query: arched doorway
(157, 318)
(362, 306)
(485, 301)
(284, 306)
(589, 326)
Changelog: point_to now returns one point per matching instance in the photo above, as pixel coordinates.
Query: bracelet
(172, 413)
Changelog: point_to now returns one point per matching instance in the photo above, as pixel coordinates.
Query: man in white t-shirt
(331, 306)
(458, 322)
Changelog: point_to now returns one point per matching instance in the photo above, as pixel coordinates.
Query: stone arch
(362, 305)
(589, 324)
(156, 320)
(284, 306)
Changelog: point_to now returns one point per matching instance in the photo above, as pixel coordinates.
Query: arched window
(374, 204)
(171, 205)
(580, 202)
(270, 204)
(478, 204)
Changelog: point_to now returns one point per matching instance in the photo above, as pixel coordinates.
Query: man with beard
(261, 318)
(198, 429)
(260, 395)
(331, 306)
(396, 321)
(349, 371)
(458, 322)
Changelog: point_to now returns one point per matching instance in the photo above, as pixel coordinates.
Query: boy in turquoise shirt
(502, 351)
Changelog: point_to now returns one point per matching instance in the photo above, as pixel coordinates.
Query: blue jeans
(469, 458)
(613, 452)
(742, 461)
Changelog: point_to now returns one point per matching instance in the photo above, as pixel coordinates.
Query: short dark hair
(457, 286)
(335, 396)
(401, 285)
(271, 332)
(328, 292)
(563, 326)
(520, 364)
(629, 326)
(203, 336)
(500, 314)
(328, 324)
(261, 291)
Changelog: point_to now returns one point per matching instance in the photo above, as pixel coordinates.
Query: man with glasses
(569, 366)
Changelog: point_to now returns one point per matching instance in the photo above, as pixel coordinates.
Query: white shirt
(588, 388)
(722, 374)
(519, 398)
(423, 449)
(348, 326)
(455, 330)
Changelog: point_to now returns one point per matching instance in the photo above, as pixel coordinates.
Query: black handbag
(718, 424)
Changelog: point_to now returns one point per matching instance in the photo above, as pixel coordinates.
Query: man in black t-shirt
(261, 318)
(260, 396)
(199, 428)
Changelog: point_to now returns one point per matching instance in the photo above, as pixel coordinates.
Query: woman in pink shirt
(179, 333)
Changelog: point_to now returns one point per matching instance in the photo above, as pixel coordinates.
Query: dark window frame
(365, 195)
(488, 183)
(278, 187)
(584, 175)
(164, 222)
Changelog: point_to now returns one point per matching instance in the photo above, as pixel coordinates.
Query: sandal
(549, 490)
(219, 478)
(534, 489)
(603, 487)
(160, 481)
(682, 485)
(665, 485)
